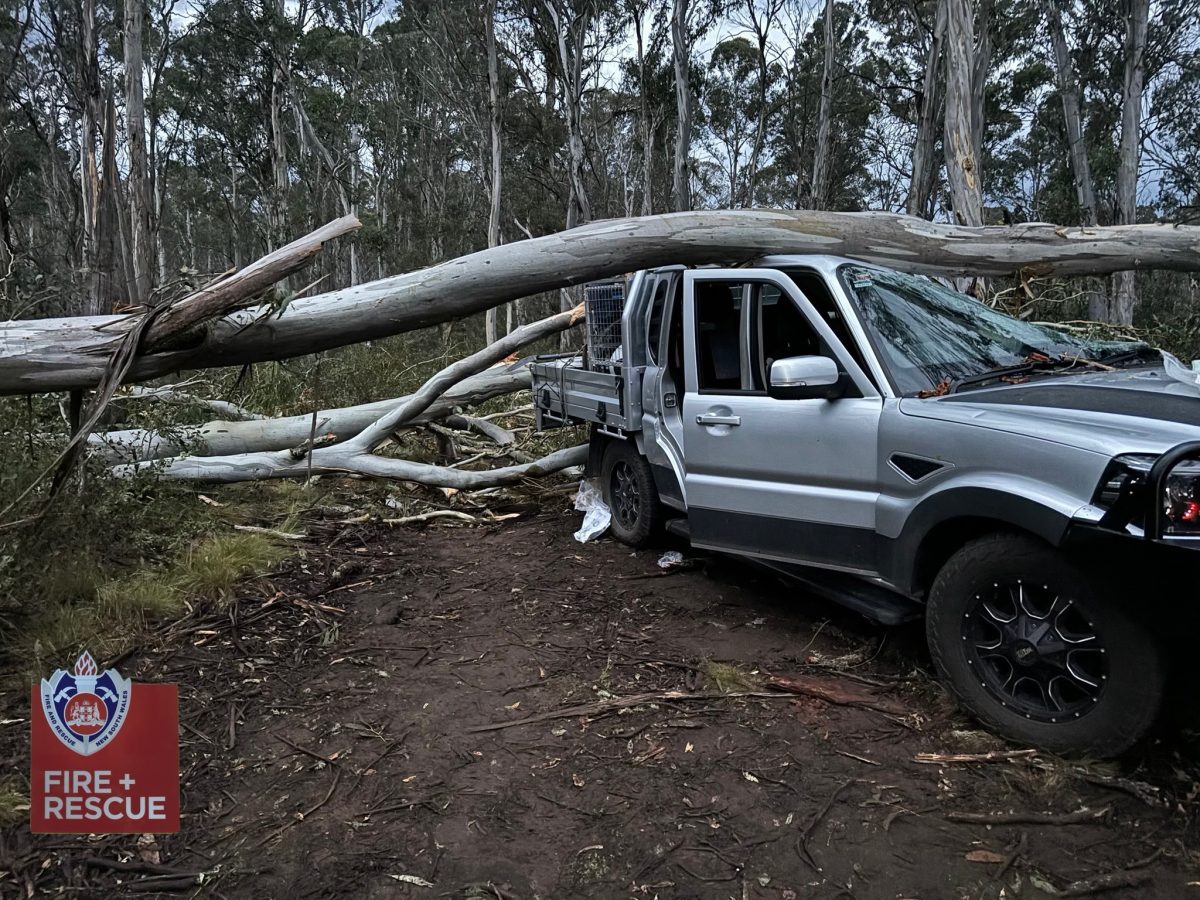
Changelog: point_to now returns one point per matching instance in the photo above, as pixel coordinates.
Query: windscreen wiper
(1034, 364)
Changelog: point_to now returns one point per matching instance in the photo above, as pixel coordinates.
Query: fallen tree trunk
(225, 438)
(356, 454)
(57, 354)
(337, 461)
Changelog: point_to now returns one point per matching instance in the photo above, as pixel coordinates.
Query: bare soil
(339, 740)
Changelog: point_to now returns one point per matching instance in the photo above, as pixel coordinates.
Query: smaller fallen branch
(1109, 882)
(356, 454)
(272, 532)
(602, 707)
(989, 757)
(1078, 817)
(837, 692)
(427, 516)
(171, 394)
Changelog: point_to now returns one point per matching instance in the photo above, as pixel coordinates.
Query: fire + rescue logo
(85, 708)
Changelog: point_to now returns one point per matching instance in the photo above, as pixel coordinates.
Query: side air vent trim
(915, 468)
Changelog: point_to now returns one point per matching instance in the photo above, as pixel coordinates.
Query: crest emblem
(85, 708)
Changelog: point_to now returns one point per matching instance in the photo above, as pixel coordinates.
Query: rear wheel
(1036, 650)
(630, 494)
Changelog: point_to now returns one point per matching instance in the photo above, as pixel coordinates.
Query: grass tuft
(728, 678)
(14, 807)
(209, 570)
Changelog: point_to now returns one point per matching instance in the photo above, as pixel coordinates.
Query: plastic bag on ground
(670, 559)
(596, 514)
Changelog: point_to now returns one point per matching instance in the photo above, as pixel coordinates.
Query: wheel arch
(943, 523)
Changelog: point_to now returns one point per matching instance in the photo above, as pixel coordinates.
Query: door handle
(718, 420)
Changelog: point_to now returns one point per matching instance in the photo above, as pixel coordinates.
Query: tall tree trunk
(114, 258)
(279, 162)
(920, 187)
(141, 252)
(1068, 91)
(493, 236)
(1138, 12)
(819, 191)
(761, 22)
(680, 189)
(962, 165)
(89, 174)
(980, 64)
(644, 123)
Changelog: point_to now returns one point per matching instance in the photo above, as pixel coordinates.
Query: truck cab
(909, 452)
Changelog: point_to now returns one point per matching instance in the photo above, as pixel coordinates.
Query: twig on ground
(1109, 882)
(806, 834)
(602, 707)
(989, 757)
(434, 514)
(1077, 817)
(273, 532)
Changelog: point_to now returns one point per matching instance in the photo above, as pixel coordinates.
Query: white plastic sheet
(596, 514)
(670, 559)
(1181, 373)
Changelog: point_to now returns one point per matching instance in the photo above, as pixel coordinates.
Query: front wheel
(631, 495)
(1037, 651)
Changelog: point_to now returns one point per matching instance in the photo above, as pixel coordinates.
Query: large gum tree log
(225, 438)
(43, 355)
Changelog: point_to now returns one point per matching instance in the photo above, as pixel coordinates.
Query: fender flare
(963, 503)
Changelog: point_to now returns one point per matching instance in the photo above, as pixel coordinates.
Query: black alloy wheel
(1036, 651)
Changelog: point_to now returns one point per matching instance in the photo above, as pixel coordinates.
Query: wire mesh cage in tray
(604, 301)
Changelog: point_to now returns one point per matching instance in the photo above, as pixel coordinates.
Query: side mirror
(805, 378)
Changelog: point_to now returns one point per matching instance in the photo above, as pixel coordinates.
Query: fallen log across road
(59, 354)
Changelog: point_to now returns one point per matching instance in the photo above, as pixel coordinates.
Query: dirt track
(331, 744)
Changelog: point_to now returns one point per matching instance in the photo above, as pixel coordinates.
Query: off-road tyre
(1128, 667)
(629, 491)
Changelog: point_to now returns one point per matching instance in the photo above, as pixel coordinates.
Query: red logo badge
(105, 755)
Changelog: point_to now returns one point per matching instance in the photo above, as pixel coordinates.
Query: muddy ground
(355, 726)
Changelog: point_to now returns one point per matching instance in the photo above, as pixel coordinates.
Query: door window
(720, 349)
(783, 331)
(654, 325)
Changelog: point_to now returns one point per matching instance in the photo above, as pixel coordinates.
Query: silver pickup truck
(909, 452)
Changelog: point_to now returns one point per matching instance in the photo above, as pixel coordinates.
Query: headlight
(1181, 494)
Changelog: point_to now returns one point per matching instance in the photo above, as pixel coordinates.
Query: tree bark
(981, 63)
(1069, 93)
(637, 12)
(96, 291)
(141, 253)
(962, 166)
(680, 188)
(231, 438)
(59, 354)
(1129, 160)
(338, 461)
(356, 453)
(491, 325)
(920, 189)
(819, 191)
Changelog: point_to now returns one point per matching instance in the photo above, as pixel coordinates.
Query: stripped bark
(962, 163)
(56, 354)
